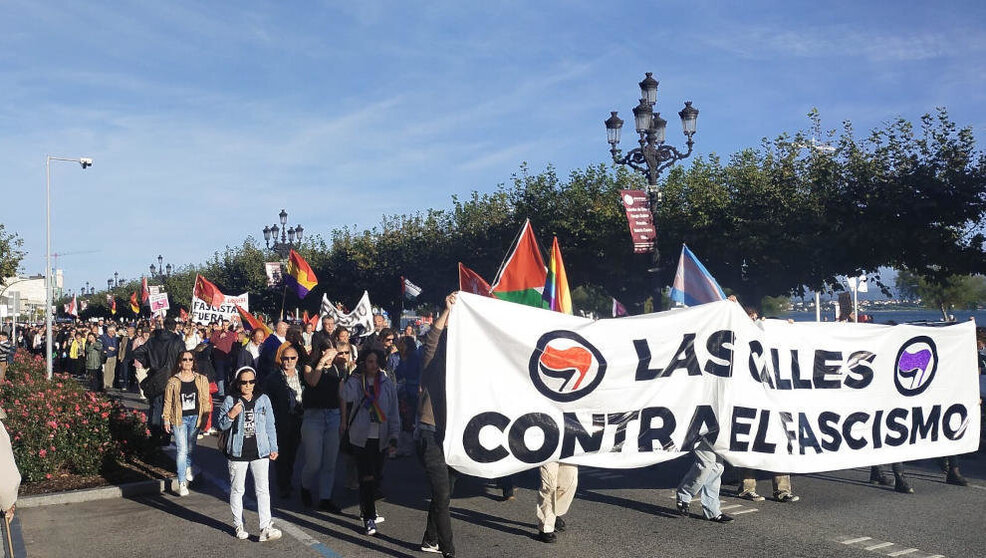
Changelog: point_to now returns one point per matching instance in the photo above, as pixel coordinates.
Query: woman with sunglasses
(251, 444)
(187, 405)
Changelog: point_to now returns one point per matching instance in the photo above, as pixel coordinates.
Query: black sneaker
(722, 518)
(956, 478)
(508, 494)
(903, 487)
(546, 537)
(329, 506)
(682, 507)
(559, 524)
(306, 498)
(877, 477)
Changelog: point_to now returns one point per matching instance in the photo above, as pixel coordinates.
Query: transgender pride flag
(693, 284)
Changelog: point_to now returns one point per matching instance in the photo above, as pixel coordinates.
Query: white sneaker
(241, 532)
(379, 519)
(183, 489)
(189, 475)
(271, 533)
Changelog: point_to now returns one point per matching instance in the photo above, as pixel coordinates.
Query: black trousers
(288, 440)
(441, 482)
(369, 461)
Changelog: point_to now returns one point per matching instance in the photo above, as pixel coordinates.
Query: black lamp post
(282, 246)
(653, 155)
(159, 272)
(116, 278)
(109, 283)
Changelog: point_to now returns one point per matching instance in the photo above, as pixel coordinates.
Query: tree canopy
(766, 221)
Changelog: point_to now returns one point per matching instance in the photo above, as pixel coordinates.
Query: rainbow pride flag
(300, 275)
(556, 294)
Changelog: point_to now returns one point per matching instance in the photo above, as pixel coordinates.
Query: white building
(31, 290)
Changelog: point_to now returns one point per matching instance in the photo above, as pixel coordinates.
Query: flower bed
(57, 428)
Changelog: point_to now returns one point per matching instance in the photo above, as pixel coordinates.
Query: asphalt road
(615, 514)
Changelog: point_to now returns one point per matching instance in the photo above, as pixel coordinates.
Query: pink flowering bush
(56, 426)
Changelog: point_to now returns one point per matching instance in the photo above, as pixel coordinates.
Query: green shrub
(56, 426)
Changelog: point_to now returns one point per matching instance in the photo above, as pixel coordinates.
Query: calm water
(899, 316)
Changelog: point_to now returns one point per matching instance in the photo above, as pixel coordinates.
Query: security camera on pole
(86, 162)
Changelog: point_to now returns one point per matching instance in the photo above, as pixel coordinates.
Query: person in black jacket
(283, 387)
(160, 357)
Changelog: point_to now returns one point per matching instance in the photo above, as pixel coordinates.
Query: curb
(128, 490)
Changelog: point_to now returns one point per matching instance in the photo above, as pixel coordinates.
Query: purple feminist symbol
(910, 363)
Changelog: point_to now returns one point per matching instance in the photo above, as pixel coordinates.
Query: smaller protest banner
(204, 313)
(359, 321)
(159, 302)
(274, 273)
(639, 217)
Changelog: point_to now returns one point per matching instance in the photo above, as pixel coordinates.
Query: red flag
(145, 293)
(183, 315)
(471, 282)
(133, 303)
(304, 316)
(208, 292)
(313, 320)
(251, 322)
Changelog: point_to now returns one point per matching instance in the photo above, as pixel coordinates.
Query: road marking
(283, 524)
(883, 548)
(741, 512)
(734, 506)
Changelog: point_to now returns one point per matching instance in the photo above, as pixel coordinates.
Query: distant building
(31, 290)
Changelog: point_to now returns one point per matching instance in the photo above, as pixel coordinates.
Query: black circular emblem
(565, 367)
(916, 364)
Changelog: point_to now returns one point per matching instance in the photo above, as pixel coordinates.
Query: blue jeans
(186, 433)
(703, 478)
(320, 438)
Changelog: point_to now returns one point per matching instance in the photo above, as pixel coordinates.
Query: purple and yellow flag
(300, 275)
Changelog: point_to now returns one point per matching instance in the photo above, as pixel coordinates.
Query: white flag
(411, 291)
(359, 322)
(863, 285)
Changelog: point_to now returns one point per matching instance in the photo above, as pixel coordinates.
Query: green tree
(956, 291)
(10, 253)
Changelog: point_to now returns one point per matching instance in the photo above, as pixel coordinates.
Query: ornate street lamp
(283, 244)
(109, 283)
(653, 155)
(160, 271)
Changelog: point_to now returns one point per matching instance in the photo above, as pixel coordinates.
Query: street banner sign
(639, 217)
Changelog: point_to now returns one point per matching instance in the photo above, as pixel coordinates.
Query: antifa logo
(565, 367)
(916, 364)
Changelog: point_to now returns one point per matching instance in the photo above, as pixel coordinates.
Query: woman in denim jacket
(252, 443)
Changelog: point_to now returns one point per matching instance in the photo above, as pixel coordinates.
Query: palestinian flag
(134, 306)
(522, 277)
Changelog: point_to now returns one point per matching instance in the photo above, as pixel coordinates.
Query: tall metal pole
(48, 284)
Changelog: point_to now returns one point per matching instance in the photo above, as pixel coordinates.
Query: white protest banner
(526, 386)
(204, 313)
(359, 322)
(274, 273)
(159, 302)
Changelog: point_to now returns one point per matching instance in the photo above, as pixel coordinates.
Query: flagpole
(284, 297)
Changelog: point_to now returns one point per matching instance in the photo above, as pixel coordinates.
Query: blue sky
(205, 121)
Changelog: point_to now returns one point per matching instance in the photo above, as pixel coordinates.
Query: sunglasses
(289, 358)
(248, 382)
(391, 339)
(186, 359)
